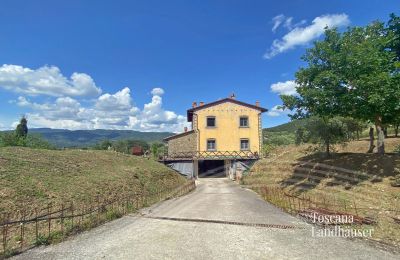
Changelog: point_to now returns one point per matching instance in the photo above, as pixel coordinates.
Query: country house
(225, 138)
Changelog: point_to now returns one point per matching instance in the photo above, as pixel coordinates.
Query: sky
(139, 65)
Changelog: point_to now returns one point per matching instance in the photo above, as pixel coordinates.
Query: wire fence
(29, 227)
(322, 204)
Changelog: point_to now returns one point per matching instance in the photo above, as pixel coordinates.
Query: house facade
(225, 134)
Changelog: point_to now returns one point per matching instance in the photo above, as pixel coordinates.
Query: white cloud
(157, 91)
(284, 88)
(46, 80)
(302, 35)
(121, 100)
(277, 21)
(109, 111)
(277, 111)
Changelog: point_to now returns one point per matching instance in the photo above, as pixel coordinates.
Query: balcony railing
(210, 155)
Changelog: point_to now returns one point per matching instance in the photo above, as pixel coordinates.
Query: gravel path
(213, 222)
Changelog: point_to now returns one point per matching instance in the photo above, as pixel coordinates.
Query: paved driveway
(220, 220)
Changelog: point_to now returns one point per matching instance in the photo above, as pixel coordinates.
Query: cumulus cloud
(157, 91)
(46, 80)
(284, 88)
(109, 111)
(277, 111)
(298, 35)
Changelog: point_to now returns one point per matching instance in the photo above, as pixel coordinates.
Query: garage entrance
(212, 169)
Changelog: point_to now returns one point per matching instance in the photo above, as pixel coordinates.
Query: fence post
(5, 227)
(36, 225)
(72, 215)
(22, 225)
(62, 218)
(48, 218)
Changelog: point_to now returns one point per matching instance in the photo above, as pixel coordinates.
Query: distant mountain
(85, 138)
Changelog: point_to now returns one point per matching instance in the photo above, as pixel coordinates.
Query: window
(244, 121)
(211, 145)
(244, 144)
(211, 121)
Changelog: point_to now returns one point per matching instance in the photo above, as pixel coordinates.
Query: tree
(22, 128)
(325, 131)
(157, 149)
(350, 74)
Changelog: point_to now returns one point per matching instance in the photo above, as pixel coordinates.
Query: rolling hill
(85, 138)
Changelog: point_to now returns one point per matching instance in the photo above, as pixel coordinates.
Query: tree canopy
(352, 74)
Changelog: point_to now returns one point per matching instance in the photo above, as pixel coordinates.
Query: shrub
(397, 149)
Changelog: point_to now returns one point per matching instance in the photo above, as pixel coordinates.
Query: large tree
(350, 74)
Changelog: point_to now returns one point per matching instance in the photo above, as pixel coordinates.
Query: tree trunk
(358, 135)
(396, 130)
(385, 132)
(381, 136)
(328, 148)
(371, 140)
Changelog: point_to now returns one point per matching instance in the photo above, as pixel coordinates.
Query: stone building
(225, 137)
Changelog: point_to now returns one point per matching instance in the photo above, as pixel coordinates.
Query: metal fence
(26, 228)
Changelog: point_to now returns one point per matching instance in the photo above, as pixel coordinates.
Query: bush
(279, 138)
(31, 141)
(397, 149)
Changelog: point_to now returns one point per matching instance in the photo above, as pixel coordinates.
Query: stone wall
(185, 143)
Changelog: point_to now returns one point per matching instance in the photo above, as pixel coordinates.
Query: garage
(212, 169)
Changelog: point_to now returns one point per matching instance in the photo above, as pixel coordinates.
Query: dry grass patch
(349, 176)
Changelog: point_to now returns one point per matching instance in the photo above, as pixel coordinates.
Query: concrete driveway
(220, 220)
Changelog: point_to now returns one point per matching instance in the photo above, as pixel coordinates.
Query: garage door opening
(212, 169)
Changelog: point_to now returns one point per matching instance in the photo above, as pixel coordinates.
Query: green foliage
(351, 74)
(157, 149)
(267, 149)
(324, 131)
(290, 127)
(42, 240)
(90, 138)
(112, 214)
(278, 138)
(103, 145)
(122, 146)
(31, 140)
(22, 128)
(397, 149)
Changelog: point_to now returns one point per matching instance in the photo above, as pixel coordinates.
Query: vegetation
(35, 177)
(351, 176)
(20, 137)
(122, 146)
(352, 74)
(89, 138)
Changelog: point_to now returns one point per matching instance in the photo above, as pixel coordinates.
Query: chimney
(185, 129)
(257, 103)
(201, 103)
(232, 96)
(194, 104)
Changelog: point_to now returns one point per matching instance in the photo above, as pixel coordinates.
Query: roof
(178, 135)
(190, 111)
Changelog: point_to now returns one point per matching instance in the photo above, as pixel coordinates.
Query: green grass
(367, 181)
(32, 178)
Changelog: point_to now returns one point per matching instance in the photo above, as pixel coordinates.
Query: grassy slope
(35, 177)
(285, 168)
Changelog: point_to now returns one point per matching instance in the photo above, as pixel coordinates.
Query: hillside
(350, 177)
(290, 127)
(33, 177)
(85, 138)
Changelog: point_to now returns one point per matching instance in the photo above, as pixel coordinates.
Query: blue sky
(140, 64)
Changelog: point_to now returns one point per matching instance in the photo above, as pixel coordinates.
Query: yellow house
(225, 133)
